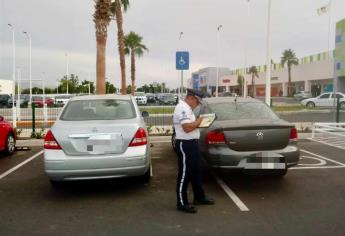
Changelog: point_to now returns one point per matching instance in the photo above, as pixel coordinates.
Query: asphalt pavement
(309, 200)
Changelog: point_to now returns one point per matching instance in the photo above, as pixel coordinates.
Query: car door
(323, 100)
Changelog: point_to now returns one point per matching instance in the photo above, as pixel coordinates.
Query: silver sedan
(247, 135)
(95, 137)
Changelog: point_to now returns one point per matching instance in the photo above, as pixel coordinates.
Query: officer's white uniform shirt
(184, 114)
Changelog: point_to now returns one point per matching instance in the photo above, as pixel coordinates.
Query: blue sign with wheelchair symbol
(182, 60)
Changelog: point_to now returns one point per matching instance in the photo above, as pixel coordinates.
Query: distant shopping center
(322, 72)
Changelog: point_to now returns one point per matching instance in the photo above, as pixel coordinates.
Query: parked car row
(158, 98)
(59, 100)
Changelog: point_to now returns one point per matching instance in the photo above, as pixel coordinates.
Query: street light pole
(268, 55)
(218, 39)
(30, 70)
(14, 118)
(245, 89)
(67, 73)
(180, 91)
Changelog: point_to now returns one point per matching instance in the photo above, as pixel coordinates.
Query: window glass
(108, 109)
(242, 110)
(325, 95)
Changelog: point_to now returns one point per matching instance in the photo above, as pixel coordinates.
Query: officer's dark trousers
(188, 171)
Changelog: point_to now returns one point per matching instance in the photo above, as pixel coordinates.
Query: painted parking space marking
(321, 164)
(332, 143)
(232, 195)
(20, 165)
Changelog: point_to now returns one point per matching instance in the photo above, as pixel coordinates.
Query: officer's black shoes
(187, 209)
(205, 201)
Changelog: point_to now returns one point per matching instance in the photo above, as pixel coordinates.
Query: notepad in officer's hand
(207, 120)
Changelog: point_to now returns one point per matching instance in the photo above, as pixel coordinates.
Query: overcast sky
(65, 26)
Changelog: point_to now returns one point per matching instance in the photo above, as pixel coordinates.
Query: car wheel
(147, 176)
(310, 104)
(56, 184)
(173, 140)
(342, 106)
(10, 144)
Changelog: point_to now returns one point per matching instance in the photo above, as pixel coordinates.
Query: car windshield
(242, 110)
(107, 109)
(139, 94)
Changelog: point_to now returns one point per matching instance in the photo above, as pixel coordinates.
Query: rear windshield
(108, 109)
(242, 110)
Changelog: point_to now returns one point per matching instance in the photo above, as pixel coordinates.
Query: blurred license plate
(265, 160)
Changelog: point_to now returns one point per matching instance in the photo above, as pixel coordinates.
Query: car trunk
(94, 137)
(255, 135)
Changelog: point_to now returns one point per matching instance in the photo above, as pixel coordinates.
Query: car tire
(56, 184)
(147, 176)
(10, 144)
(173, 139)
(310, 104)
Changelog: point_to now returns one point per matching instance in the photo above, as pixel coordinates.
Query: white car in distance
(141, 98)
(325, 100)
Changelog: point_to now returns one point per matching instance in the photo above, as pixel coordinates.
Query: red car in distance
(7, 137)
(38, 101)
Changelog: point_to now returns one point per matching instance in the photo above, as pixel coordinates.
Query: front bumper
(135, 161)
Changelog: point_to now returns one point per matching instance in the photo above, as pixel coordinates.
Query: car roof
(96, 97)
(230, 99)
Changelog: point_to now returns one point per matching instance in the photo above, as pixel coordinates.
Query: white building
(6, 86)
(323, 72)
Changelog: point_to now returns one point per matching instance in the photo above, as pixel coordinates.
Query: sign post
(182, 63)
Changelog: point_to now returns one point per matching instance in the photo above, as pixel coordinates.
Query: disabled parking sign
(182, 60)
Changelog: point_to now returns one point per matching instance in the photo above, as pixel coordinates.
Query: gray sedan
(97, 137)
(247, 135)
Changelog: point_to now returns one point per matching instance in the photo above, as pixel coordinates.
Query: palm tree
(240, 81)
(254, 71)
(134, 47)
(116, 10)
(101, 17)
(289, 58)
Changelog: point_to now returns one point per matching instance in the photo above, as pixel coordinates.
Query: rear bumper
(134, 162)
(225, 158)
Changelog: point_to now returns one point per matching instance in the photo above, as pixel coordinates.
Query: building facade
(6, 86)
(322, 72)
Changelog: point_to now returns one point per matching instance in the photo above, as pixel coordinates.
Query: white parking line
(232, 195)
(316, 140)
(20, 165)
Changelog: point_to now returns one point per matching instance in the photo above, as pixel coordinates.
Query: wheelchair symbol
(182, 62)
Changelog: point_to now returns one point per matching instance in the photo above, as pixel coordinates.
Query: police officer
(186, 147)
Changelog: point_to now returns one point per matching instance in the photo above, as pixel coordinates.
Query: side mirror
(145, 114)
(1, 118)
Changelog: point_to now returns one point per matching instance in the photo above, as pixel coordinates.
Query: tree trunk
(253, 85)
(121, 44)
(100, 64)
(133, 71)
(289, 83)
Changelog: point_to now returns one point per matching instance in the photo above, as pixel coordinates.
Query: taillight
(214, 137)
(293, 134)
(140, 138)
(50, 141)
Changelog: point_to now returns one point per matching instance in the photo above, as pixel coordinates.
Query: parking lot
(309, 200)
